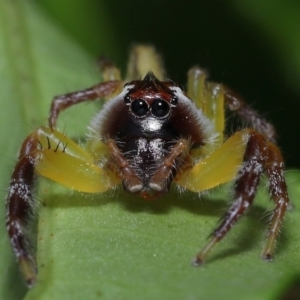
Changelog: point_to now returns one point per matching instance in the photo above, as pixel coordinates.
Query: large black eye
(160, 108)
(139, 107)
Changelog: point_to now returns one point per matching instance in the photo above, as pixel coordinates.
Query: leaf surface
(117, 246)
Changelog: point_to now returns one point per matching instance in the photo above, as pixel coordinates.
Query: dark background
(249, 45)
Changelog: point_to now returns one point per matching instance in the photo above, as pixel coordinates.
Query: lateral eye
(160, 108)
(139, 107)
(127, 99)
(174, 101)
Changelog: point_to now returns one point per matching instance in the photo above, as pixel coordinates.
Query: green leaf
(120, 247)
(117, 246)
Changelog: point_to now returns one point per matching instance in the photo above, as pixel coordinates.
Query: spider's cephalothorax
(149, 135)
(155, 120)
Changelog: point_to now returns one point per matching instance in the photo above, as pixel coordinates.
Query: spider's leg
(142, 59)
(259, 156)
(209, 97)
(48, 153)
(274, 167)
(245, 189)
(236, 103)
(18, 207)
(109, 71)
(101, 90)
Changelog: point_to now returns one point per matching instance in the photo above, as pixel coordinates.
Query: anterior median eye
(160, 108)
(139, 107)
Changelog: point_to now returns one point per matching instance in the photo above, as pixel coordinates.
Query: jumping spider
(148, 135)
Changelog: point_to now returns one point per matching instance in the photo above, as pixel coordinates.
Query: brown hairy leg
(260, 156)
(236, 103)
(95, 92)
(19, 207)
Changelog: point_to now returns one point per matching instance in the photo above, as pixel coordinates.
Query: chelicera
(149, 135)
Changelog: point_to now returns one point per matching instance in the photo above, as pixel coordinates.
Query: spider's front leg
(102, 90)
(259, 156)
(19, 207)
(250, 151)
(48, 153)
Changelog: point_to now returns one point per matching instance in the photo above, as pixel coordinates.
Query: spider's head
(151, 96)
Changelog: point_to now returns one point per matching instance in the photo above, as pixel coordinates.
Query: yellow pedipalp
(219, 167)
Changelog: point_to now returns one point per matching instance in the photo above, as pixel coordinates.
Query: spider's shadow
(207, 205)
(214, 206)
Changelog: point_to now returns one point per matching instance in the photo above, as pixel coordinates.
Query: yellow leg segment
(63, 161)
(209, 97)
(219, 167)
(109, 71)
(142, 60)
